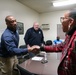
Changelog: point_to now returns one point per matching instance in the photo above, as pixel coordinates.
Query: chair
(48, 42)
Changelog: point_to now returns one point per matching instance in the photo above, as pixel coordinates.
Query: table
(49, 68)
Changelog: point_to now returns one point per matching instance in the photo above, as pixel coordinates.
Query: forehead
(10, 18)
(36, 24)
(66, 14)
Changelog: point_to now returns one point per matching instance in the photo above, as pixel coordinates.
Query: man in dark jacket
(34, 36)
(67, 64)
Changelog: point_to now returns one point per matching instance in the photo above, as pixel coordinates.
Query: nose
(15, 23)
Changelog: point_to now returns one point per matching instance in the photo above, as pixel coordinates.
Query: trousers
(9, 66)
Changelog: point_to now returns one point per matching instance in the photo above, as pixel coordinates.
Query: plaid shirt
(67, 64)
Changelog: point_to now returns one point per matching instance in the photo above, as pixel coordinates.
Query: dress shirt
(9, 44)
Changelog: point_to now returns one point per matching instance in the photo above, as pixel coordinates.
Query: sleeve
(52, 48)
(12, 47)
(26, 37)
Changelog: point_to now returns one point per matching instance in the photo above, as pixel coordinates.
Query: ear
(71, 21)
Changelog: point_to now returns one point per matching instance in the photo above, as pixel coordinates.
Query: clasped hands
(34, 49)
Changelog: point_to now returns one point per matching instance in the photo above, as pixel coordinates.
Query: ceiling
(43, 6)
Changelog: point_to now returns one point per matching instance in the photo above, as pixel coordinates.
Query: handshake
(34, 49)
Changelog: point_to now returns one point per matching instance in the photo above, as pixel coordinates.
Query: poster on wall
(20, 27)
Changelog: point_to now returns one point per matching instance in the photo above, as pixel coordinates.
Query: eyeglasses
(64, 18)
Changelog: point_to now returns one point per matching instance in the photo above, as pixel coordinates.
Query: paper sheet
(36, 58)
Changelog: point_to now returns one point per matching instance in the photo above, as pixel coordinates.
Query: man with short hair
(9, 46)
(57, 41)
(34, 36)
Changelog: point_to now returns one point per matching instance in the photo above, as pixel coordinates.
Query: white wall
(28, 16)
(51, 18)
(20, 12)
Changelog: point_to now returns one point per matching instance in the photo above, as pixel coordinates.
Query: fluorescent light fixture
(64, 3)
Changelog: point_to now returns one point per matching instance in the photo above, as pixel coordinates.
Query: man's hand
(34, 49)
